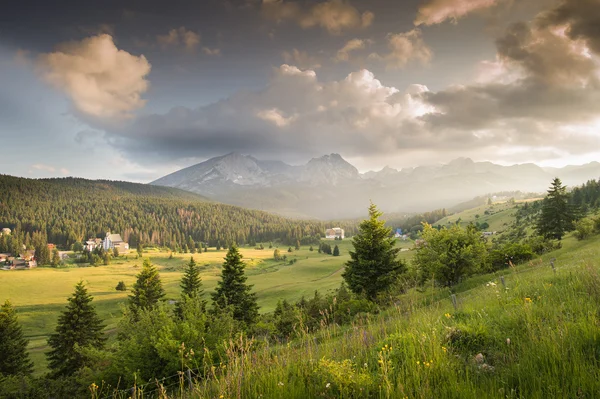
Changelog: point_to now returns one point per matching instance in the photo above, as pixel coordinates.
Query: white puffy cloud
(404, 48)
(179, 37)
(433, 12)
(102, 81)
(343, 54)
(295, 114)
(275, 116)
(335, 16)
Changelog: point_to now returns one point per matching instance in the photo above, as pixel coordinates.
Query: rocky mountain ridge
(329, 187)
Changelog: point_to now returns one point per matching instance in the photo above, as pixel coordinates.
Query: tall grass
(538, 337)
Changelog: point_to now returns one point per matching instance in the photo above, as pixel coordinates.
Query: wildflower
(444, 349)
(528, 300)
(426, 364)
(418, 362)
(507, 341)
(328, 385)
(448, 315)
(490, 284)
(280, 384)
(221, 397)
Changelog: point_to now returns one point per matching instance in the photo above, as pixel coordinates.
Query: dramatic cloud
(405, 47)
(103, 81)
(343, 54)
(544, 90)
(437, 11)
(582, 17)
(335, 16)
(179, 37)
(539, 100)
(355, 115)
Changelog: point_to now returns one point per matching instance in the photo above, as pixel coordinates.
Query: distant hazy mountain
(329, 187)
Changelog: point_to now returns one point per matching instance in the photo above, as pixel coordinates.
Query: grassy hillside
(499, 215)
(537, 336)
(40, 294)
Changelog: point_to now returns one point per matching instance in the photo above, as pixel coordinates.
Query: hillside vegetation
(66, 211)
(469, 316)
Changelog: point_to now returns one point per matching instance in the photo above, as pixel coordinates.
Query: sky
(134, 90)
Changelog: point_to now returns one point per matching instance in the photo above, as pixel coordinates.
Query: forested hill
(69, 210)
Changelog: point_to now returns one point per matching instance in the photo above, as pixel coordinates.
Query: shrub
(121, 286)
(341, 379)
(541, 245)
(584, 228)
(516, 253)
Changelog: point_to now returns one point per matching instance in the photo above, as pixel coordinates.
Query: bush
(584, 228)
(121, 286)
(541, 245)
(500, 257)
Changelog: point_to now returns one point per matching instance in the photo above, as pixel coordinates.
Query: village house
(334, 233)
(112, 241)
(92, 244)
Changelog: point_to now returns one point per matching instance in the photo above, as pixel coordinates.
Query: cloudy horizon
(131, 91)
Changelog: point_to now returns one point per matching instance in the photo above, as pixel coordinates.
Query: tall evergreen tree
(336, 251)
(233, 291)
(374, 265)
(78, 327)
(557, 214)
(191, 287)
(14, 358)
(147, 290)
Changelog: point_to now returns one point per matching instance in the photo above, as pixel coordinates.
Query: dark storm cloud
(582, 17)
(550, 80)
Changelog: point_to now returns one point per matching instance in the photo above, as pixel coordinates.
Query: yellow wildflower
(444, 349)
(528, 300)
(448, 315)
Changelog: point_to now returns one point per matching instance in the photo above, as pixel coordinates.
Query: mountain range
(329, 187)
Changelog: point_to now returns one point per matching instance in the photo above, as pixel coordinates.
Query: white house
(334, 233)
(92, 244)
(112, 241)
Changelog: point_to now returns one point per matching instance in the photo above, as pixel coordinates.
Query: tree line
(67, 211)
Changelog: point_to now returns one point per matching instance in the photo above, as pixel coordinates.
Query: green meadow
(40, 294)
(524, 332)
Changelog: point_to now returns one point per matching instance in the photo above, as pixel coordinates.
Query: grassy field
(499, 216)
(524, 332)
(41, 294)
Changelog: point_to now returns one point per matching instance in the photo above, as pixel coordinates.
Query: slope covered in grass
(537, 336)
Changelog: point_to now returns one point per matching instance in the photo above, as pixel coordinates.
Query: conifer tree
(374, 265)
(191, 287)
(78, 327)
(147, 290)
(233, 291)
(14, 358)
(557, 214)
(336, 251)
